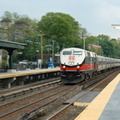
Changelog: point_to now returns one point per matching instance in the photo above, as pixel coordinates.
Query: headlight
(63, 66)
(78, 66)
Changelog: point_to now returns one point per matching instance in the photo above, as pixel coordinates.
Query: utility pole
(83, 38)
(41, 46)
(53, 50)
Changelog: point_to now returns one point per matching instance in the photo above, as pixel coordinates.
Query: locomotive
(78, 64)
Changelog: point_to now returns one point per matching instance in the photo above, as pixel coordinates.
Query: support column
(10, 52)
(9, 85)
(22, 80)
(9, 81)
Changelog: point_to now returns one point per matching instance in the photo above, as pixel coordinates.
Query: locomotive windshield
(77, 52)
(70, 53)
(67, 52)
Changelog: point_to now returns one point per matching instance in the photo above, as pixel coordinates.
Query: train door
(91, 60)
(95, 62)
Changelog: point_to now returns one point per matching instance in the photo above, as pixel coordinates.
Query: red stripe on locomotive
(83, 67)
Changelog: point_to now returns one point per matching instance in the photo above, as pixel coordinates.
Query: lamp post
(116, 26)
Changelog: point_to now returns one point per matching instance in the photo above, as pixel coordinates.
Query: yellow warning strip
(79, 104)
(96, 107)
(7, 75)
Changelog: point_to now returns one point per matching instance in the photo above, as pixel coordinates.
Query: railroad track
(19, 93)
(26, 105)
(33, 107)
(57, 115)
(14, 90)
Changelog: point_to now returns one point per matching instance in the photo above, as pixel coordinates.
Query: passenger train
(79, 64)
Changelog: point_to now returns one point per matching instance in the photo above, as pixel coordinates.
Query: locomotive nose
(71, 76)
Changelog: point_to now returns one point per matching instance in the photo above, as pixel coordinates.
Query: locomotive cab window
(67, 52)
(77, 52)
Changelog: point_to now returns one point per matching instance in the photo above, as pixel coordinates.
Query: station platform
(106, 105)
(26, 72)
(6, 79)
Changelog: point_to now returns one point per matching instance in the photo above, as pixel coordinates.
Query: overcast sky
(94, 15)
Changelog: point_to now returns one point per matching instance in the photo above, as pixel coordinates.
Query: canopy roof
(4, 44)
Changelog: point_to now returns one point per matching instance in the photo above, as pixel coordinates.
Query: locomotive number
(71, 62)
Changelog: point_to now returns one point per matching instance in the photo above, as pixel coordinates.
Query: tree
(107, 45)
(116, 48)
(102, 38)
(90, 40)
(20, 29)
(61, 27)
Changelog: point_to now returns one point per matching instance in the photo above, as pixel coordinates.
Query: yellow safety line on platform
(25, 73)
(96, 107)
(79, 104)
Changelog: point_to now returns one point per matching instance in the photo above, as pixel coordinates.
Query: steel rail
(37, 101)
(52, 117)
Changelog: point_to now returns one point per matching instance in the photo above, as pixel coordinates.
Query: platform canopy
(10, 47)
(4, 44)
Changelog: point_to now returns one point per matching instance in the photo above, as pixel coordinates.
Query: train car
(106, 63)
(78, 64)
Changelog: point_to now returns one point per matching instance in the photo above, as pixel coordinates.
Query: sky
(97, 16)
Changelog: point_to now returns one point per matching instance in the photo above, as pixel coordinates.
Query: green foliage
(18, 27)
(90, 40)
(107, 48)
(61, 27)
(3, 64)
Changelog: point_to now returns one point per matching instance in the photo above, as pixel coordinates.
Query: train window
(88, 54)
(67, 52)
(77, 52)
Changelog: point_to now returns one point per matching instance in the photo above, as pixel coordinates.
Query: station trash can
(50, 65)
